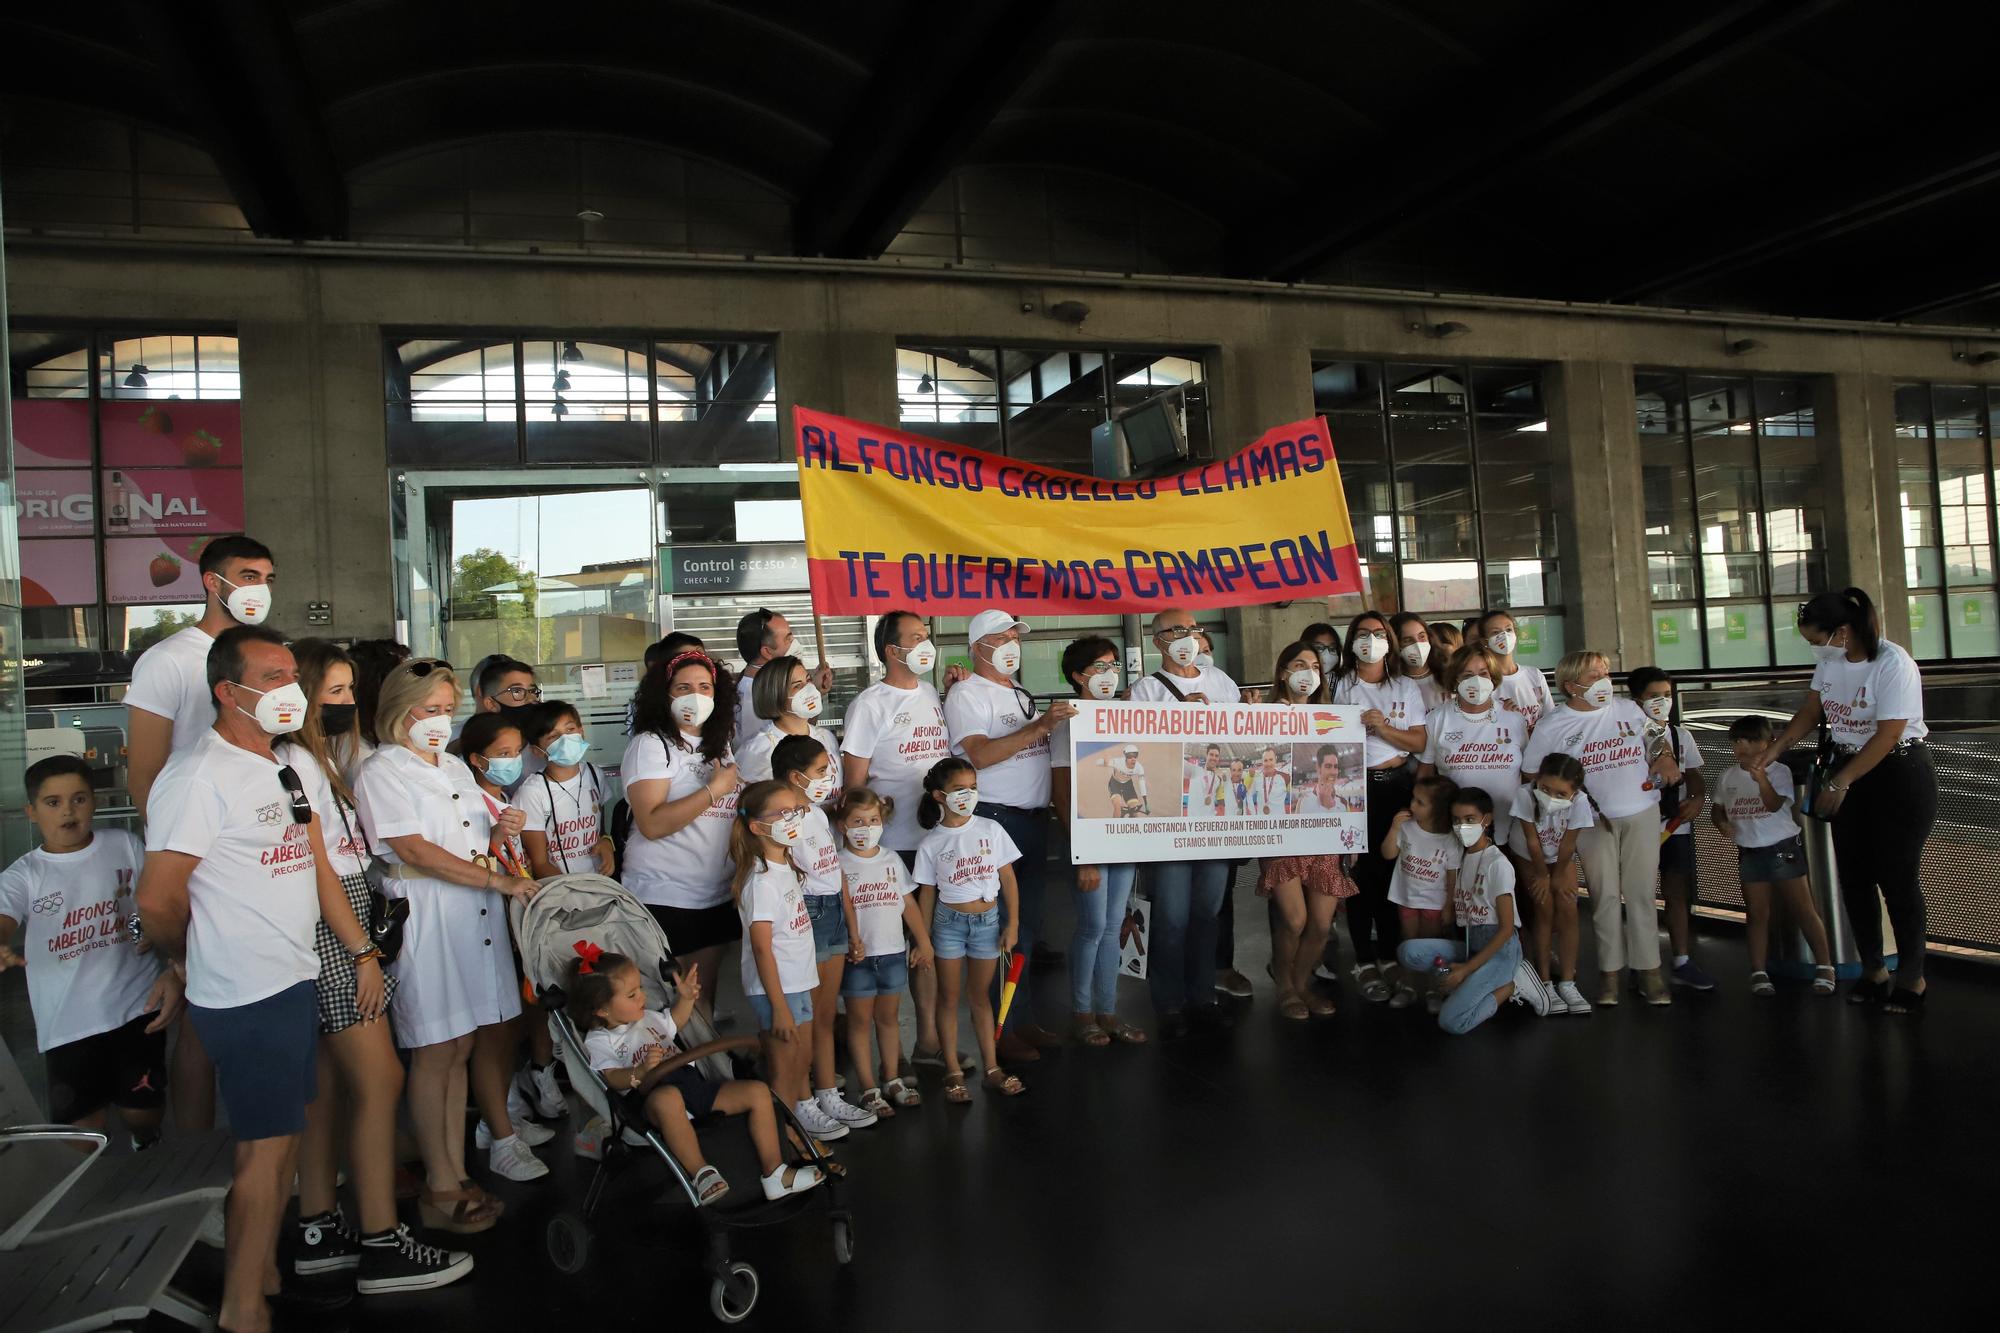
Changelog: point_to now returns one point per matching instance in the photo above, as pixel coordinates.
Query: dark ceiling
(1823, 158)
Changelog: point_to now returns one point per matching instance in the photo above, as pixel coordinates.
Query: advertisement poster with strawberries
(59, 572)
(171, 433)
(52, 432)
(149, 500)
(153, 569)
(54, 503)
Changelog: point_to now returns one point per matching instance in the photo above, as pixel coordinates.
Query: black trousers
(1372, 920)
(1878, 843)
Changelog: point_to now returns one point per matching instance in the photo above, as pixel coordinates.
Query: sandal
(873, 1100)
(1865, 991)
(1373, 988)
(790, 1180)
(1905, 1002)
(479, 1192)
(823, 1159)
(1321, 1006)
(1823, 980)
(1000, 1081)
(458, 1211)
(709, 1186)
(1125, 1032)
(955, 1090)
(1760, 984)
(1292, 1007)
(902, 1093)
(1092, 1035)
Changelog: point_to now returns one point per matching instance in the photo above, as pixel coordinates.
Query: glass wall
(1735, 517)
(1449, 472)
(1946, 472)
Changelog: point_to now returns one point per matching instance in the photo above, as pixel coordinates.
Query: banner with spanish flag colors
(898, 520)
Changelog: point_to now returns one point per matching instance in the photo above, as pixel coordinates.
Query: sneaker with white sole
(1325, 973)
(1557, 1004)
(326, 1245)
(1433, 1002)
(521, 1106)
(512, 1158)
(542, 1091)
(846, 1112)
(1573, 997)
(1528, 989)
(401, 1262)
(817, 1122)
(528, 1131)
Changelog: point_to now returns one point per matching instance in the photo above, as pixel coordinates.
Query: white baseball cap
(993, 621)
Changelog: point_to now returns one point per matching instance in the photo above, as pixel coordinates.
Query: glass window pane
(1738, 635)
(1426, 389)
(1717, 402)
(1513, 583)
(1788, 645)
(168, 365)
(1340, 386)
(1433, 586)
(1927, 627)
(576, 380)
(1677, 638)
(1975, 626)
(951, 387)
(1540, 640)
(1511, 391)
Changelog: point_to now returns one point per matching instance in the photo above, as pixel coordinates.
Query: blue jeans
(1472, 1003)
(1180, 958)
(1093, 950)
(1030, 831)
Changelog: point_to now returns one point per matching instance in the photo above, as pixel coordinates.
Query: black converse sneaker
(326, 1245)
(397, 1261)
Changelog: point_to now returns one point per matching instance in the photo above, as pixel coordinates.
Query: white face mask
(818, 789)
(430, 733)
(864, 837)
(1553, 804)
(921, 657)
(1599, 693)
(281, 710)
(1101, 684)
(1469, 833)
(1474, 691)
(691, 710)
(1416, 654)
(1501, 641)
(1659, 709)
(806, 703)
(963, 801)
(1006, 658)
(1183, 652)
(248, 602)
(1328, 660)
(1303, 681)
(789, 829)
(1829, 652)
(1203, 661)
(1371, 648)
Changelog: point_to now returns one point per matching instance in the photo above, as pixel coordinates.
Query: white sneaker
(1573, 996)
(846, 1112)
(539, 1086)
(526, 1130)
(1528, 989)
(521, 1108)
(1325, 973)
(1557, 1004)
(817, 1122)
(513, 1159)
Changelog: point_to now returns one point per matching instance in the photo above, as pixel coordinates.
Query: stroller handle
(681, 1059)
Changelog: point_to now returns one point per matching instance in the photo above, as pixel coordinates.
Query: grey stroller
(573, 908)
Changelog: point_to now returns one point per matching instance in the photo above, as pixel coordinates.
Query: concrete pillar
(1855, 416)
(1601, 508)
(851, 373)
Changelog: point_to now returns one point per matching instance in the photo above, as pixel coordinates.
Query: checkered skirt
(337, 1010)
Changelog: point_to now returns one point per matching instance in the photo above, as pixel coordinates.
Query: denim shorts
(884, 974)
(799, 1002)
(265, 1056)
(1774, 864)
(829, 926)
(956, 934)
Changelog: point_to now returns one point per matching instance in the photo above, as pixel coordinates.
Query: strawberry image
(157, 421)
(201, 449)
(163, 570)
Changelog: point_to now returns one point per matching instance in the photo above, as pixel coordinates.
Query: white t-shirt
(170, 680)
(964, 862)
(878, 885)
(1610, 743)
(1210, 681)
(1856, 695)
(901, 733)
(623, 1047)
(1528, 690)
(1204, 792)
(1484, 878)
(569, 814)
(1266, 796)
(1401, 703)
(339, 823)
(1429, 691)
(773, 893)
(747, 721)
(1750, 824)
(85, 976)
(1421, 864)
(977, 706)
(254, 898)
(1480, 750)
(818, 855)
(1549, 825)
(753, 757)
(690, 867)
(1349, 796)
(1687, 753)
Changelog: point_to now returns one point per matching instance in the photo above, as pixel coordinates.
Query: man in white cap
(993, 724)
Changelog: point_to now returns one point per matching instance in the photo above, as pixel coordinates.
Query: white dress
(456, 970)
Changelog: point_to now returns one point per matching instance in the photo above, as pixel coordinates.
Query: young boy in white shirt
(1753, 808)
(102, 1002)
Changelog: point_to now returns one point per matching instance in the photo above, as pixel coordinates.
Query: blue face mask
(569, 749)
(504, 772)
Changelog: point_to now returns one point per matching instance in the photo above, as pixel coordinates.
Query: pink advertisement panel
(152, 500)
(152, 569)
(59, 572)
(52, 432)
(53, 504)
(171, 433)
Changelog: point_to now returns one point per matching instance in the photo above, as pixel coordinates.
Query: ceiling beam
(948, 72)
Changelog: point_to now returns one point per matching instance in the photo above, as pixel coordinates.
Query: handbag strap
(361, 851)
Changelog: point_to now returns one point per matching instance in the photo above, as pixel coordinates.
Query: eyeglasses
(423, 666)
(302, 810)
(1177, 633)
(519, 693)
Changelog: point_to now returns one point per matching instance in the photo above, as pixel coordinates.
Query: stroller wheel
(843, 1240)
(732, 1296)
(568, 1243)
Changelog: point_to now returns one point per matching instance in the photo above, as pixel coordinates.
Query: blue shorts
(799, 1002)
(884, 974)
(265, 1056)
(1677, 855)
(1774, 864)
(957, 934)
(829, 920)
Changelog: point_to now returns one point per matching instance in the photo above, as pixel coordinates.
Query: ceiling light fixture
(1972, 358)
(560, 410)
(562, 381)
(1449, 328)
(589, 215)
(137, 379)
(926, 384)
(569, 352)
(1715, 404)
(1742, 346)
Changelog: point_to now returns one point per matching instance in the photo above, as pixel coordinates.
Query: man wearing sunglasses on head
(235, 880)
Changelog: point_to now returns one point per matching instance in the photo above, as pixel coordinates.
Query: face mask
(691, 710)
(921, 658)
(1371, 648)
(1182, 652)
(1203, 661)
(1416, 654)
(963, 801)
(430, 733)
(1659, 709)
(1829, 652)
(864, 837)
(1599, 693)
(280, 711)
(1474, 691)
(504, 772)
(1303, 681)
(1102, 685)
(1469, 833)
(818, 789)
(806, 703)
(1553, 804)
(336, 719)
(1501, 642)
(1006, 658)
(569, 748)
(1328, 660)
(248, 602)
(789, 829)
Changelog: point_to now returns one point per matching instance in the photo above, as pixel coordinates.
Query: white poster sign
(1194, 782)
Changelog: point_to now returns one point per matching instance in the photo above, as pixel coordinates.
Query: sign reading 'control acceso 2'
(734, 567)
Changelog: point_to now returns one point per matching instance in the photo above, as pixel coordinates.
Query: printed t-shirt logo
(52, 903)
(272, 813)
